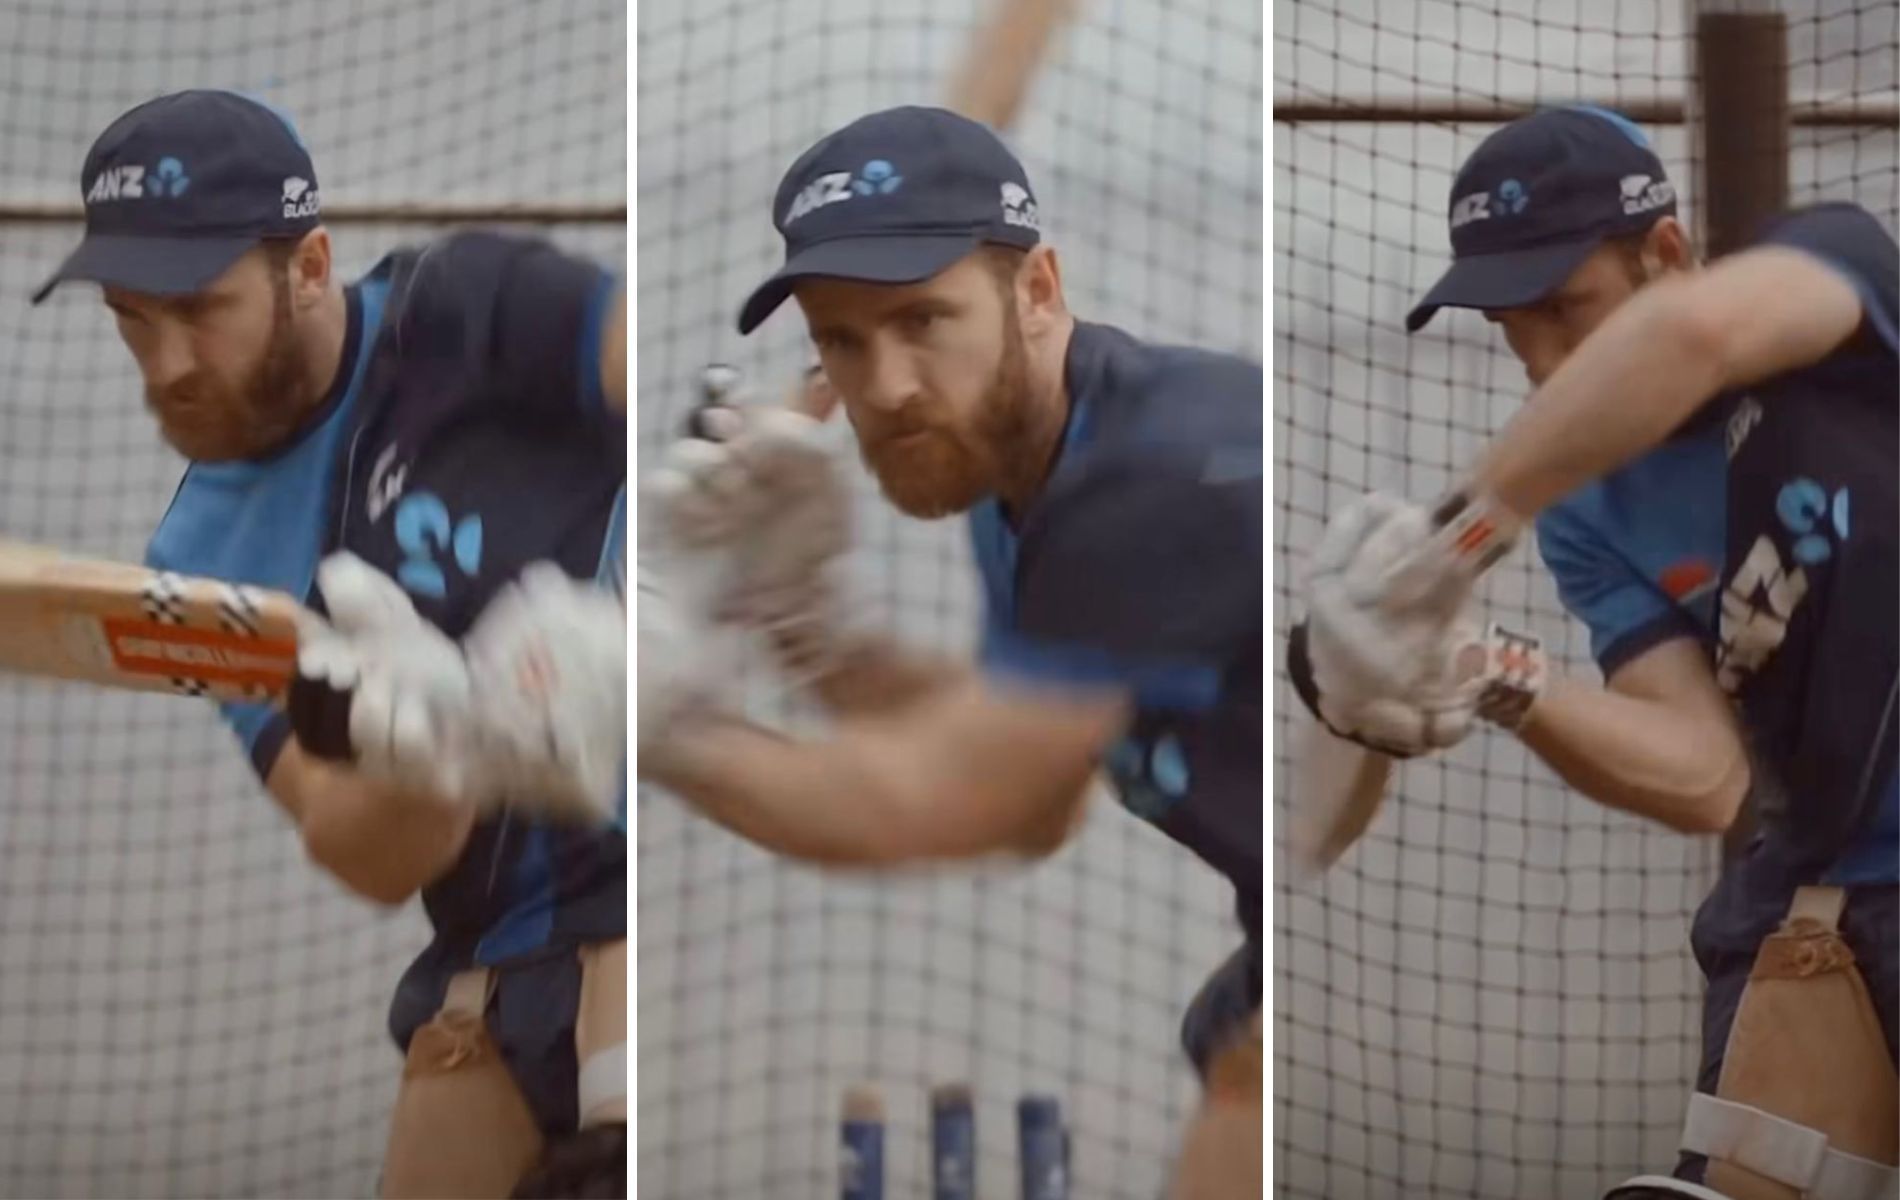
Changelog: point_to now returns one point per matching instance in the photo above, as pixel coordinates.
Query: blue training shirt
(464, 437)
(1138, 566)
(1807, 640)
(1672, 546)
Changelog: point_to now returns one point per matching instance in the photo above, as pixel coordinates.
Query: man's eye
(918, 322)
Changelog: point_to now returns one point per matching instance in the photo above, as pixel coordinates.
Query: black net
(1493, 994)
(187, 1007)
(765, 989)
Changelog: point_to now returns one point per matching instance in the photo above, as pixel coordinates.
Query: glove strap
(1474, 530)
(1515, 668)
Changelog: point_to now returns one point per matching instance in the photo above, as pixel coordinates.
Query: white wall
(186, 1007)
(765, 989)
(1492, 995)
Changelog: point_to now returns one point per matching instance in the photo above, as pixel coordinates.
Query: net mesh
(765, 989)
(188, 1008)
(1492, 996)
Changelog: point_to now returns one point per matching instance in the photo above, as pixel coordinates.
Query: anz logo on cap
(876, 178)
(1507, 200)
(132, 182)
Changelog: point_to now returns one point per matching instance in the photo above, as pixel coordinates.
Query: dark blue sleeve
(1847, 238)
(523, 318)
(1142, 572)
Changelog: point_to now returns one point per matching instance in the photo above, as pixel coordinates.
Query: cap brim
(1507, 279)
(886, 259)
(152, 265)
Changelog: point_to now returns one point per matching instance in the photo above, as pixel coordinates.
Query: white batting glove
(679, 669)
(381, 688)
(1360, 649)
(1468, 533)
(547, 665)
(1404, 678)
(765, 508)
(1487, 673)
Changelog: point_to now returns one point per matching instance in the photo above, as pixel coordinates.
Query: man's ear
(310, 267)
(1666, 248)
(1040, 284)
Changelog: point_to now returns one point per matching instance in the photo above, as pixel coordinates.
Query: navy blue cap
(895, 197)
(181, 186)
(1536, 198)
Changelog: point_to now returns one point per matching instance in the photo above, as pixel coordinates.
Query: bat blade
(1339, 789)
(124, 626)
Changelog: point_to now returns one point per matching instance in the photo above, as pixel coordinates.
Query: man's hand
(382, 689)
(530, 711)
(1388, 656)
(757, 496)
(677, 672)
(547, 667)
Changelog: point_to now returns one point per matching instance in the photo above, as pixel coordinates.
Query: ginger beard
(931, 468)
(207, 419)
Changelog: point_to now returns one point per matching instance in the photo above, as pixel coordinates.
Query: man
(424, 433)
(1694, 431)
(1114, 497)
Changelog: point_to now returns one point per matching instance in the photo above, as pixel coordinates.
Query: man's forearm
(838, 802)
(1671, 348)
(974, 773)
(382, 846)
(1686, 769)
(1630, 384)
(869, 673)
(613, 355)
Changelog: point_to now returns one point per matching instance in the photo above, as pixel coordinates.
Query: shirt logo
(300, 199)
(1151, 777)
(1756, 607)
(386, 481)
(430, 540)
(1802, 506)
(1742, 422)
(1019, 208)
(1641, 194)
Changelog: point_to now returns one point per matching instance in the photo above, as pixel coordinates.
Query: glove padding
(1362, 652)
(529, 711)
(548, 676)
(765, 504)
(380, 688)
(1401, 679)
(677, 673)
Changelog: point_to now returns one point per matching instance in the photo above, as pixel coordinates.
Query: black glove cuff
(320, 718)
(1299, 667)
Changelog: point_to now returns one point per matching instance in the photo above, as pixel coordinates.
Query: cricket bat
(1339, 787)
(124, 626)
